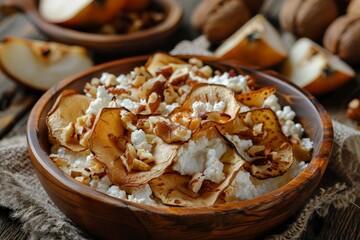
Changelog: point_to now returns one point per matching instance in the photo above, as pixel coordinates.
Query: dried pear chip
(256, 98)
(62, 117)
(174, 189)
(107, 127)
(210, 94)
(159, 60)
(278, 155)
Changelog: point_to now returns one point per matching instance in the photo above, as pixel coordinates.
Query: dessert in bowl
(105, 43)
(179, 202)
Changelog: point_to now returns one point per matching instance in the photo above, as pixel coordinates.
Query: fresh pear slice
(312, 67)
(40, 65)
(256, 43)
(173, 188)
(68, 107)
(81, 13)
(104, 144)
(158, 60)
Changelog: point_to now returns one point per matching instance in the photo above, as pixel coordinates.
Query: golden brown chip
(159, 60)
(211, 94)
(256, 98)
(101, 145)
(278, 155)
(68, 107)
(172, 188)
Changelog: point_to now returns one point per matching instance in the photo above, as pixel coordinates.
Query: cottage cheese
(245, 186)
(289, 128)
(142, 195)
(103, 99)
(272, 103)
(237, 83)
(138, 139)
(202, 107)
(201, 155)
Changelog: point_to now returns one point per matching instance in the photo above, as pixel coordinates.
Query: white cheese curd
(131, 105)
(123, 81)
(103, 98)
(115, 191)
(108, 79)
(285, 114)
(246, 187)
(194, 157)
(142, 195)
(202, 107)
(307, 144)
(272, 103)
(75, 159)
(241, 145)
(138, 139)
(236, 83)
(214, 168)
(244, 109)
(166, 109)
(289, 128)
(102, 184)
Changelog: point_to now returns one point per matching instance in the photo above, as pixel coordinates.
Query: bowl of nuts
(106, 27)
(178, 147)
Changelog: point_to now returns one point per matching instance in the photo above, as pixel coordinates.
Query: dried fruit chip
(210, 94)
(173, 188)
(107, 126)
(159, 60)
(277, 157)
(256, 98)
(68, 107)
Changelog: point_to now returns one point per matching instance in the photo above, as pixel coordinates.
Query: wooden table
(16, 102)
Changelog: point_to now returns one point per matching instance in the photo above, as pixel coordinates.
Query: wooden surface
(339, 224)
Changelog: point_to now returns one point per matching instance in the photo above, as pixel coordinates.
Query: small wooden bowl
(132, 43)
(108, 217)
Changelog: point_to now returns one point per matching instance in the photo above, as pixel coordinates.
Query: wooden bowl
(108, 217)
(131, 43)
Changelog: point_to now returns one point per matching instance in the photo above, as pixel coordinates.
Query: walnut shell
(343, 38)
(220, 18)
(354, 8)
(307, 18)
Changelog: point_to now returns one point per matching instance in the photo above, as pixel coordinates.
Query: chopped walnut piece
(170, 96)
(128, 157)
(128, 120)
(90, 90)
(154, 102)
(179, 76)
(60, 162)
(139, 80)
(68, 133)
(140, 166)
(171, 132)
(152, 85)
(166, 71)
(206, 71)
(84, 180)
(196, 182)
(255, 149)
(196, 62)
(145, 156)
(84, 139)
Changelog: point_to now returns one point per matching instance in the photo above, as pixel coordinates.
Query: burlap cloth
(21, 192)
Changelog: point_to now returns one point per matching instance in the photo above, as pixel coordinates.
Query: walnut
(219, 19)
(342, 38)
(308, 18)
